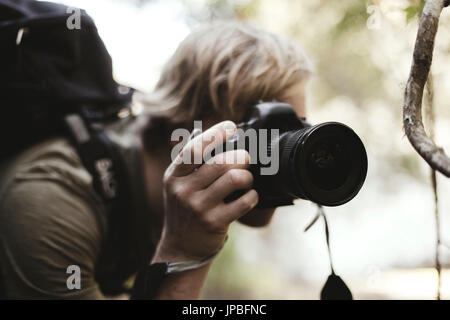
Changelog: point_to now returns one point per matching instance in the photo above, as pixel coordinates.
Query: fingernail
(230, 128)
(229, 125)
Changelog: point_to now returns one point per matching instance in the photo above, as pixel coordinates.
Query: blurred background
(383, 242)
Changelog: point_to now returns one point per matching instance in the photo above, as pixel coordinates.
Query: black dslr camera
(325, 163)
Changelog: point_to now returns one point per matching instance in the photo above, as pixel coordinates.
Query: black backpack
(48, 71)
(55, 80)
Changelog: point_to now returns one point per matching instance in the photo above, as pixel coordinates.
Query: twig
(412, 108)
(438, 234)
(429, 124)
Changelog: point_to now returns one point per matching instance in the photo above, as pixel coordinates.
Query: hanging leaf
(335, 289)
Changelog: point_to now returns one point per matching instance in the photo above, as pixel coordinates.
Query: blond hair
(222, 69)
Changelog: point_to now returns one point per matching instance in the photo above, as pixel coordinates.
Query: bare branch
(412, 108)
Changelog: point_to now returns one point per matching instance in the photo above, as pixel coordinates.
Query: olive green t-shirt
(52, 218)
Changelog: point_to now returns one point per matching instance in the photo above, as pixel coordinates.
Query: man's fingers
(192, 155)
(218, 165)
(226, 213)
(232, 180)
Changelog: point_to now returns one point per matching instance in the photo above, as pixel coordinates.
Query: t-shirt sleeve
(49, 231)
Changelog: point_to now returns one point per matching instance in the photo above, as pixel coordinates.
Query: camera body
(324, 163)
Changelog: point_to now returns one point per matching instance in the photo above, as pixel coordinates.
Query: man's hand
(196, 217)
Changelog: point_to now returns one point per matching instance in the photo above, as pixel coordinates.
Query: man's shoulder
(48, 183)
(50, 217)
(48, 171)
(43, 159)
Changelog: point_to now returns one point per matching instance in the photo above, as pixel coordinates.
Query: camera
(324, 163)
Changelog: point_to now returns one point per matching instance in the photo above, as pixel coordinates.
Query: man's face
(297, 99)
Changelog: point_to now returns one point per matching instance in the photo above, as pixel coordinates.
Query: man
(51, 217)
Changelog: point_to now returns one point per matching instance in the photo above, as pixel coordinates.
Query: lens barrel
(325, 163)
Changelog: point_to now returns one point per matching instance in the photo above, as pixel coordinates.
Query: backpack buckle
(20, 33)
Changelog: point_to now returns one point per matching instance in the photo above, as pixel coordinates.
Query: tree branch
(412, 107)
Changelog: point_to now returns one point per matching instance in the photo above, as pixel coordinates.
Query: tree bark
(412, 107)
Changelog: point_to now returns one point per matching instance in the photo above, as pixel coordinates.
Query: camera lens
(329, 164)
(325, 163)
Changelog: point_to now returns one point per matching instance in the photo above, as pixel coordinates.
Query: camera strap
(334, 288)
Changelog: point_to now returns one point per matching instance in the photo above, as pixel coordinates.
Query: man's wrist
(169, 254)
(179, 264)
(150, 280)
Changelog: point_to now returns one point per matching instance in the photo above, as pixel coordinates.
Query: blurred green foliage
(414, 10)
(354, 17)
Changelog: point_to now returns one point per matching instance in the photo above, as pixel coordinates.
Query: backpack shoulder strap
(104, 161)
(99, 155)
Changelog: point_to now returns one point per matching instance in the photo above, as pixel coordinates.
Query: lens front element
(329, 163)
